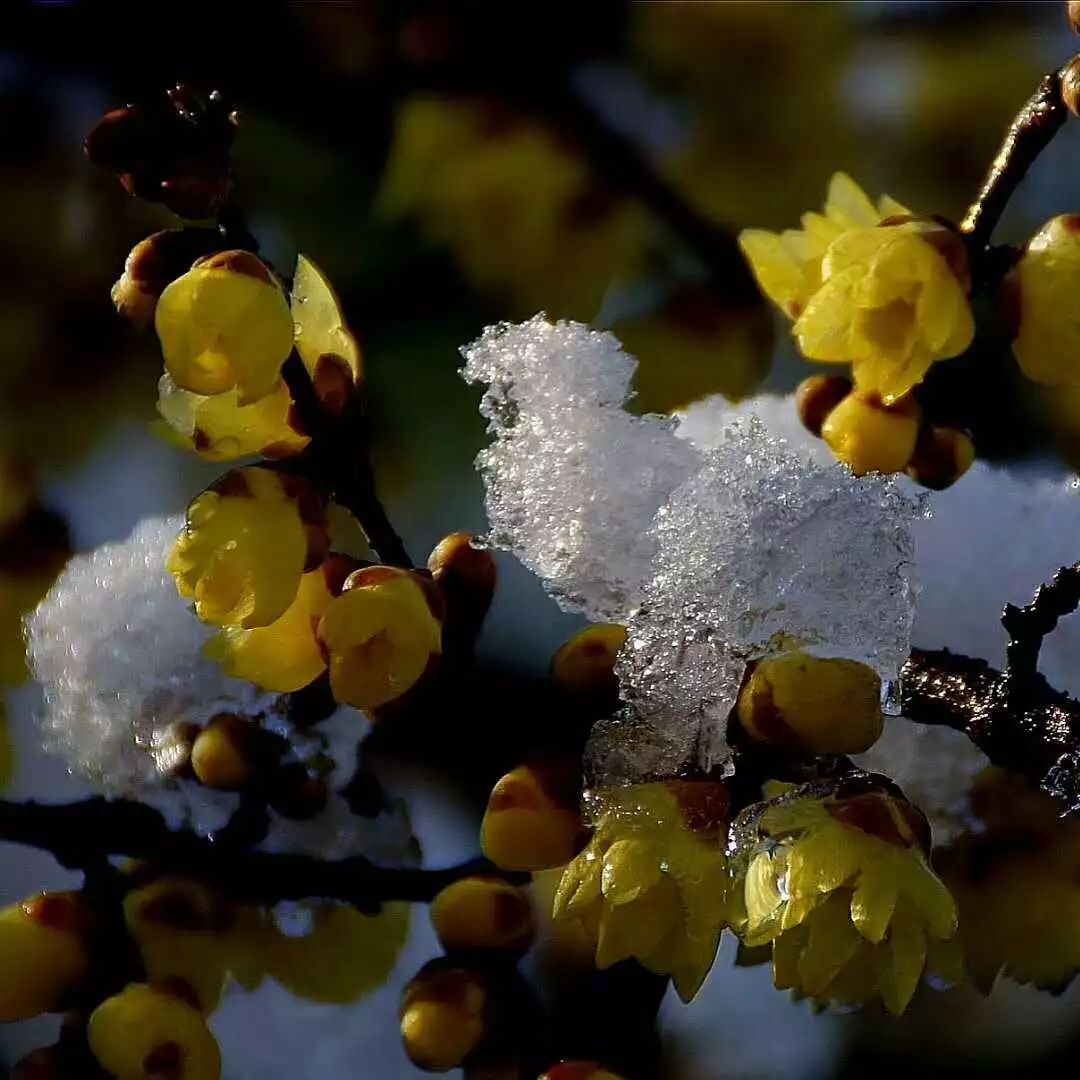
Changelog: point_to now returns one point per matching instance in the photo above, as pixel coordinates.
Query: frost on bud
(145, 1032)
(283, 656)
(443, 1017)
(321, 332)
(817, 396)
(225, 325)
(1047, 277)
(44, 954)
(942, 455)
(218, 428)
(380, 635)
(245, 546)
(482, 913)
(586, 663)
(811, 704)
(532, 821)
(870, 436)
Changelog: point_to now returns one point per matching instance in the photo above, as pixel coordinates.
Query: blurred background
(453, 165)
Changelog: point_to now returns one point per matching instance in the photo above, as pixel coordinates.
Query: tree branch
(1029, 134)
(83, 834)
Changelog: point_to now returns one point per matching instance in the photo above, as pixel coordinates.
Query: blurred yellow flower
(1017, 884)
(653, 881)
(841, 887)
(887, 296)
(518, 209)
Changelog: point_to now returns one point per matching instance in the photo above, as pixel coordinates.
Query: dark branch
(83, 834)
(338, 460)
(1028, 135)
(1024, 726)
(1028, 626)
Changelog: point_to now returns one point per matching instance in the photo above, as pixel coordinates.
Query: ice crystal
(713, 550)
(573, 480)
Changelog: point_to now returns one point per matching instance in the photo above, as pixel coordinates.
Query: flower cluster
(888, 291)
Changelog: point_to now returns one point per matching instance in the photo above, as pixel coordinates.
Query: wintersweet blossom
(875, 287)
(841, 887)
(653, 881)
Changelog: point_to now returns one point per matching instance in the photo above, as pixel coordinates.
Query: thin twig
(84, 833)
(1035, 125)
(1028, 626)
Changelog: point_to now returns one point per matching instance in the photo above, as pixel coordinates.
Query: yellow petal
(872, 903)
(907, 956)
(831, 944)
(763, 899)
(847, 204)
(631, 867)
(823, 331)
(320, 323)
(778, 271)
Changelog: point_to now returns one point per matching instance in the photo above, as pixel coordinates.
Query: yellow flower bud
(466, 575)
(380, 634)
(43, 954)
(225, 324)
(283, 656)
(482, 913)
(145, 1033)
(869, 436)
(245, 547)
(586, 663)
(1047, 343)
(811, 704)
(231, 750)
(531, 821)
(942, 455)
(443, 1018)
(817, 396)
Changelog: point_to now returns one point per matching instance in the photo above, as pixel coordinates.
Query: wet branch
(84, 834)
(1029, 134)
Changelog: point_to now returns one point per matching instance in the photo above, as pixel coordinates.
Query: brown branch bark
(1035, 125)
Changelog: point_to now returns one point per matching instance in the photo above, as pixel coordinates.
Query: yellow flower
(380, 635)
(653, 882)
(225, 324)
(888, 298)
(283, 656)
(840, 885)
(218, 428)
(1017, 884)
(245, 546)
(320, 323)
(511, 202)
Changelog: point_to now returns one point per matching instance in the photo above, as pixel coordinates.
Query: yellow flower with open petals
(840, 885)
(653, 881)
(870, 286)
